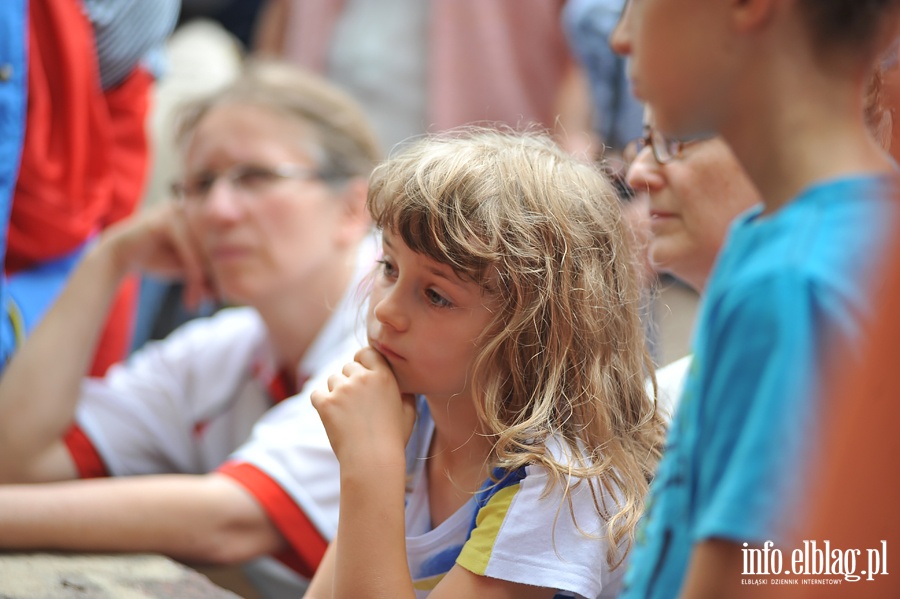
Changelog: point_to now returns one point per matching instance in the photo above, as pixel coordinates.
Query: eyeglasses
(664, 150)
(246, 179)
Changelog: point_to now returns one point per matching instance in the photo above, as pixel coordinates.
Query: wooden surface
(78, 576)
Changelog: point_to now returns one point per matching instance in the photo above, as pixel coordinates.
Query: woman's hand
(160, 242)
(367, 419)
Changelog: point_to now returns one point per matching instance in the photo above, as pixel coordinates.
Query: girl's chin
(407, 389)
(404, 388)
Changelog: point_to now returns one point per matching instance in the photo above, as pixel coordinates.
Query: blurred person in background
(428, 65)
(84, 153)
(193, 447)
(692, 192)
(616, 115)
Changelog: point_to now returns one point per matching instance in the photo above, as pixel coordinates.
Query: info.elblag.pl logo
(812, 563)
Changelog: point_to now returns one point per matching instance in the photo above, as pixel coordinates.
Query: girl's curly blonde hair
(564, 355)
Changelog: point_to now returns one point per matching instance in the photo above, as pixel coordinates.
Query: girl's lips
(385, 351)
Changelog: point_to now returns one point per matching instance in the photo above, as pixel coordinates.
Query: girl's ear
(355, 221)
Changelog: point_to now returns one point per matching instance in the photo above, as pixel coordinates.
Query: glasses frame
(664, 150)
(182, 191)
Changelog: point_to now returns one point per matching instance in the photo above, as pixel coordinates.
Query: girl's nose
(389, 310)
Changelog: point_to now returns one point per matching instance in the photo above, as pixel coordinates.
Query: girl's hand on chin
(367, 419)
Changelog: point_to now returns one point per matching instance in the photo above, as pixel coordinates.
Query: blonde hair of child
(565, 353)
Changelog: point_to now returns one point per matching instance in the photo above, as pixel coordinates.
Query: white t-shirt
(509, 531)
(202, 401)
(670, 381)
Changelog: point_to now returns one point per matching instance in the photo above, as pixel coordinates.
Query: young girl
(502, 397)
(782, 81)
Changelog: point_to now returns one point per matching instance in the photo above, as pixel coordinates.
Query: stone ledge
(85, 576)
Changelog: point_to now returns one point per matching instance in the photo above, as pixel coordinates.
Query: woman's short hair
(344, 145)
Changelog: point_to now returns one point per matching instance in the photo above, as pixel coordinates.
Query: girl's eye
(387, 269)
(436, 299)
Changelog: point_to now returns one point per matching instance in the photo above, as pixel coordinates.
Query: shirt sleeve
(88, 461)
(307, 543)
(146, 415)
(288, 465)
(566, 549)
(137, 419)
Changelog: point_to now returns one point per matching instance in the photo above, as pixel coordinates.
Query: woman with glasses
(691, 191)
(270, 216)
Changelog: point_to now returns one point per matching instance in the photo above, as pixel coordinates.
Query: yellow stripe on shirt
(476, 553)
(428, 584)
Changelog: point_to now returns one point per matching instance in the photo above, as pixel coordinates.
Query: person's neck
(800, 131)
(459, 444)
(295, 316)
(458, 457)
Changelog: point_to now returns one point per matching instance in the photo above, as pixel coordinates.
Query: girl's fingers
(333, 381)
(371, 359)
(349, 372)
(351, 368)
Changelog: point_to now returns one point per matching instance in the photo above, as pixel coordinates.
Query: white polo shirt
(202, 401)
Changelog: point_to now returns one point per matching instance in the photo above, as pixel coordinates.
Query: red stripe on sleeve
(86, 457)
(307, 543)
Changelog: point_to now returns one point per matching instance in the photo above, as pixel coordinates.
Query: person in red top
(84, 154)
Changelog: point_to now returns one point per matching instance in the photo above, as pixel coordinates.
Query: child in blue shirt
(782, 82)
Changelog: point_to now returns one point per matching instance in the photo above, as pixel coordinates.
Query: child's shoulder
(525, 531)
(863, 192)
(544, 483)
(823, 237)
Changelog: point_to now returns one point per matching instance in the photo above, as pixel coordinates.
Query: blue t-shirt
(786, 288)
